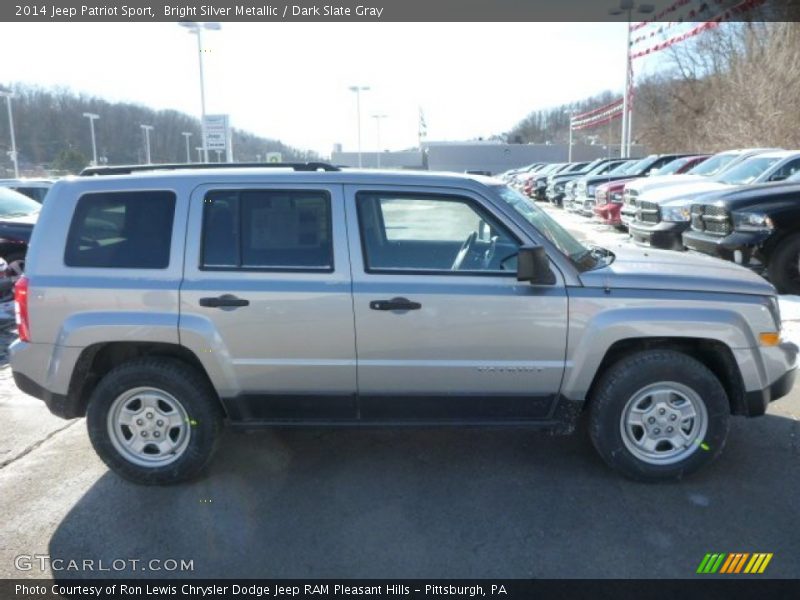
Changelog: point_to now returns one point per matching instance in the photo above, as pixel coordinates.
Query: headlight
(616, 197)
(590, 190)
(559, 187)
(676, 214)
(751, 221)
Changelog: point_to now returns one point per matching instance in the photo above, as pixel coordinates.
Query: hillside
(52, 133)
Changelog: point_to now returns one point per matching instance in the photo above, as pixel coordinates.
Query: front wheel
(154, 421)
(659, 415)
(784, 266)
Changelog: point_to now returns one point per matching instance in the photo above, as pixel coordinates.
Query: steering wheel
(464, 251)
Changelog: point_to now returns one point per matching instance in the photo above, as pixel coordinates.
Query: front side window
(267, 229)
(431, 233)
(121, 230)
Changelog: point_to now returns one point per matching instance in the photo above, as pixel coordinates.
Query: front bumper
(665, 234)
(608, 213)
(725, 247)
(780, 368)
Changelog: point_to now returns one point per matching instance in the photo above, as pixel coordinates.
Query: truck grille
(647, 212)
(711, 219)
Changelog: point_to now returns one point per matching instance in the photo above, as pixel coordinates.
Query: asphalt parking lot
(399, 503)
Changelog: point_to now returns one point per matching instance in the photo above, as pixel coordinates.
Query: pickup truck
(663, 214)
(756, 226)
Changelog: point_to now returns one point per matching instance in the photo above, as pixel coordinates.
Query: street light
(187, 135)
(92, 117)
(378, 134)
(358, 89)
(199, 153)
(197, 29)
(147, 129)
(627, 7)
(8, 95)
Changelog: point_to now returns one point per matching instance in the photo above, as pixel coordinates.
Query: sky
(289, 81)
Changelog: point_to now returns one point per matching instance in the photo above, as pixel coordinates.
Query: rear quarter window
(122, 230)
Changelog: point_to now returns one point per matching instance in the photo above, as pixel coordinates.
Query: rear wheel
(784, 266)
(154, 421)
(659, 415)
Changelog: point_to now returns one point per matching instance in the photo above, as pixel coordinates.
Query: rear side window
(267, 230)
(121, 230)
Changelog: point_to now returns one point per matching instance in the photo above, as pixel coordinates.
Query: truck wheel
(784, 266)
(658, 415)
(154, 421)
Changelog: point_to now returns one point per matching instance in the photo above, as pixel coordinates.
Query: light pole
(147, 129)
(196, 29)
(358, 89)
(8, 94)
(92, 117)
(627, 7)
(571, 114)
(378, 134)
(187, 135)
(199, 153)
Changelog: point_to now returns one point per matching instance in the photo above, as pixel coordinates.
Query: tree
(70, 160)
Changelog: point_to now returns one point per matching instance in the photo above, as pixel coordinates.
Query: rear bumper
(58, 404)
(666, 234)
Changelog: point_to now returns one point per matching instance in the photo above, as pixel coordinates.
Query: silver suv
(161, 302)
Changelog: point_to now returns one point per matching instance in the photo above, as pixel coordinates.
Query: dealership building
(460, 157)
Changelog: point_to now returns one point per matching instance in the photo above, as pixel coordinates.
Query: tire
(171, 401)
(16, 264)
(641, 385)
(784, 266)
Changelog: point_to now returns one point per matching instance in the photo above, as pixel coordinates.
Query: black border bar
(367, 10)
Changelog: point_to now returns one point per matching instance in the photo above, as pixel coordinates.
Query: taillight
(21, 308)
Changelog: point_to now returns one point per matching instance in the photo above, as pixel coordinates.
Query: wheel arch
(713, 354)
(96, 360)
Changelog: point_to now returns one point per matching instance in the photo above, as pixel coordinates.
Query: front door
(444, 330)
(266, 300)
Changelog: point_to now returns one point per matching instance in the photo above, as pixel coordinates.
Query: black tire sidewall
(787, 250)
(187, 386)
(630, 375)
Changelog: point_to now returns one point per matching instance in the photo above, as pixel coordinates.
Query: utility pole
(358, 89)
(8, 94)
(92, 117)
(187, 135)
(378, 134)
(147, 129)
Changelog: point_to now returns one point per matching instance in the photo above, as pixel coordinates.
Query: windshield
(13, 204)
(622, 167)
(583, 256)
(673, 166)
(712, 166)
(748, 171)
(639, 165)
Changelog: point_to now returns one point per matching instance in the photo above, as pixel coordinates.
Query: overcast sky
(289, 80)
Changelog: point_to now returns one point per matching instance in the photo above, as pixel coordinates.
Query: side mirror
(534, 266)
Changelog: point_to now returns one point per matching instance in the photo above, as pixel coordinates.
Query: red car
(608, 201)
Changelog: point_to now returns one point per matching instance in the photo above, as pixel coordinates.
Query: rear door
(444, 330)
(266, 299)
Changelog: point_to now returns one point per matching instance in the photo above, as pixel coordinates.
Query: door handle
(395, 304)
(223, 301)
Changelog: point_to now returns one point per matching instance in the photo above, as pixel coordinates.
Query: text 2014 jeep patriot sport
(161, 303)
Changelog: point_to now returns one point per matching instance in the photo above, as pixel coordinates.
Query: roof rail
(128, 169)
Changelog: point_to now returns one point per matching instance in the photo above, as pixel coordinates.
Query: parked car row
(740, 205)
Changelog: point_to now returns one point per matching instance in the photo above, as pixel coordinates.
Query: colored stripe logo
(733, 563)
